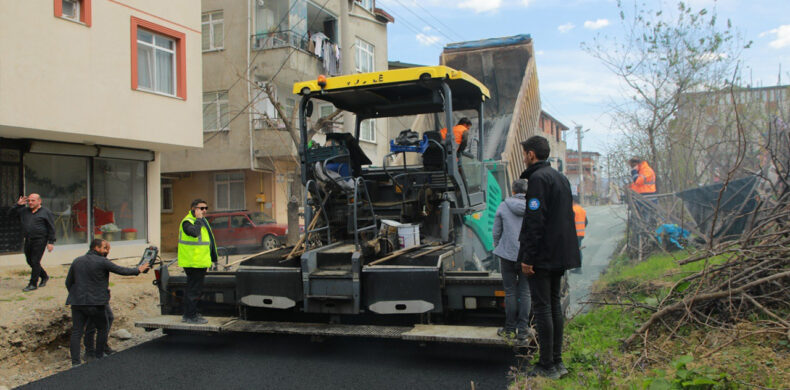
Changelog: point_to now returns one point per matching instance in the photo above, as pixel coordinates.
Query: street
(606, 227)
(289, 362)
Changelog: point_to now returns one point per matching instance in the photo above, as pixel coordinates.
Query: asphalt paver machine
(351, 274)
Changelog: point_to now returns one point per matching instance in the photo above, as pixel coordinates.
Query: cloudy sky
(574, 87)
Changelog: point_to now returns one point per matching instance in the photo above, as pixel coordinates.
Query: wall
(81, 76)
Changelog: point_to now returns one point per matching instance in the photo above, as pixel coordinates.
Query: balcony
(278, 39)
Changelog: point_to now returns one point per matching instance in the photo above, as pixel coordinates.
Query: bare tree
(661, 58)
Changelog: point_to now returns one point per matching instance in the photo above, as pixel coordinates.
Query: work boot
(108, 350)
(44, 281)
(507, 334)
(550, 372)
(29, 287)
(524, 334)
(561, 370)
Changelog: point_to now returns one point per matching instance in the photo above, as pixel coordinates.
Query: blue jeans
(517, 297)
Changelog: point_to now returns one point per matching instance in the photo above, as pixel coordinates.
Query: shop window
(119, 199)
(62, 183)
(10, 190)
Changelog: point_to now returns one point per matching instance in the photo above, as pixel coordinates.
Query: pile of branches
(753, 279)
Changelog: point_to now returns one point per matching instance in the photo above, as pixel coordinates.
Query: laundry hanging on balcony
(328, 51)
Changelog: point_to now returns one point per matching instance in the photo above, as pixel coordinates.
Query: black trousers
(90, 331)
(34, 251)
(195, 277)
(545, 287)
(80, 317)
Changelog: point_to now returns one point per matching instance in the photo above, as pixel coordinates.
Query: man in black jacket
(38, 228)
(548, 248)
(88, 281)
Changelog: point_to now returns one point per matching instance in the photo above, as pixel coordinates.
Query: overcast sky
(574, 87)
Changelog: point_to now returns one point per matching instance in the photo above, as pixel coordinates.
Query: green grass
(658, 267)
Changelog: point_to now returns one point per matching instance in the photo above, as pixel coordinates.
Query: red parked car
(246, 229)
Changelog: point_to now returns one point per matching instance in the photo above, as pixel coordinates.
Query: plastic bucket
(408, 235)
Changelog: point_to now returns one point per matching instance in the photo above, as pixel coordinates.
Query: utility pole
(581, 164)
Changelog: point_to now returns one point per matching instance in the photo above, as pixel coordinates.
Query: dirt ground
(35, 326)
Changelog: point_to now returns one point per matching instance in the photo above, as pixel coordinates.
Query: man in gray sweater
(507, 226)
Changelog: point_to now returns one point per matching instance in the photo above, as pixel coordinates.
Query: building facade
(253, 53)
(590, 165)
(89, 100)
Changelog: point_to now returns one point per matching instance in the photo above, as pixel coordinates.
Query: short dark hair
(539, 145)
(465, 121)
(197, 202)
(635, 160)
(96, 243)
(520, 186)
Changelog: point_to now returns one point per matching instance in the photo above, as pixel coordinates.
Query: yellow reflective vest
(194, 252)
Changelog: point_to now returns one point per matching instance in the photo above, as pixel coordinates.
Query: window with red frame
(76, 10)
(158, 59)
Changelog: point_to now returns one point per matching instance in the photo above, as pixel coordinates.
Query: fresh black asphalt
(246, 361)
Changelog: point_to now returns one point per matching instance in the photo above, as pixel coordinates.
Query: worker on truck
(459, 132)
(196, 253)
(643, 179)
(580, 217)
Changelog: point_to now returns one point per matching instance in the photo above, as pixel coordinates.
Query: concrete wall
(80, 76)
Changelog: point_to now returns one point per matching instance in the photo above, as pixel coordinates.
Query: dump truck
(352, 274)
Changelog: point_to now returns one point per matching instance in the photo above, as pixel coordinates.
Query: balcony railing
(276, 39)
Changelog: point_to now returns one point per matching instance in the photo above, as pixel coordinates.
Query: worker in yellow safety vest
(643, 179)
(580, 217)
(196, 252)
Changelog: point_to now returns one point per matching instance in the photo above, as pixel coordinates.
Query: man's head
(466, 122)
(635, 161)
(101, 247)
(535, 149)
(519, 187)
(199, 207)
(34, 201)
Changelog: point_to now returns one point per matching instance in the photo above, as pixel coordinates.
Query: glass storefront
(62, 182)
(119, 199)
(115, 189)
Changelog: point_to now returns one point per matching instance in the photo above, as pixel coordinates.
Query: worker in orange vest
(459, 132)
(580, 217)
(642, 176)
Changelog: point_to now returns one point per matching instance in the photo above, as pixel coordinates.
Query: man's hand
(50, 247)
(143, 267)
(527, 269)
(199, 213)
(22, 200)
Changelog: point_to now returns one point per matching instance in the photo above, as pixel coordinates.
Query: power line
(438, 20)
(412, 28)
(423, 20)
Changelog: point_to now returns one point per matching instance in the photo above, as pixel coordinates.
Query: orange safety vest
(646, 181)
(458, 132)
(580, 216)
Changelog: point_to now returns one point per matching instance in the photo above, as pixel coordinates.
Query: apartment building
(253, 53)
(92, 92)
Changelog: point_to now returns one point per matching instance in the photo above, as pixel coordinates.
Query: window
(74, 10)
(367, 130)
(365, 57)
(158, 59)
(212, 31)
(167, 196)
(265, 115)
(156, 62)
(219, 222)
(119, 199)
(366, 4)
(240, 221)
(229, 191)
(215, 111)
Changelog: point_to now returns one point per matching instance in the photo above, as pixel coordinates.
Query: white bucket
(408, 235)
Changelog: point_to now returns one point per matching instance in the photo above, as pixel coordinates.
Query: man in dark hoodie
(548, 248)
(88, 281)
(507, 225)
